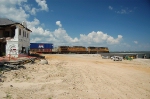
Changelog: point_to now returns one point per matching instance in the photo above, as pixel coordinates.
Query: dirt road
(79, 77)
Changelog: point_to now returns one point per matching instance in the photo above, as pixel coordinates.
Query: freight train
(48, 48)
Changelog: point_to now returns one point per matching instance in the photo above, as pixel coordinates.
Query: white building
(14, 38)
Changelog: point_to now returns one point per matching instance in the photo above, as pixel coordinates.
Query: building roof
(6, 22)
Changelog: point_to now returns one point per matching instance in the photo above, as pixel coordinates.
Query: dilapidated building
(14, 38)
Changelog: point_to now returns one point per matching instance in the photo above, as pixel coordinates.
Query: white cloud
(124, 11)
(42, 4)
(14, 10)
(111, 40)
(58, 23)
(59, 36)
(110, 7)
(27, 7)
(11, 2)
(39, 32)
(62, 36)
(136, 42)
(12, 13)
(32, 11)
(17, 9)
(36, 39)
(33, 23)
(99, 37)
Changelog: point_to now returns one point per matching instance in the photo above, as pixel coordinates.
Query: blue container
(41, 46)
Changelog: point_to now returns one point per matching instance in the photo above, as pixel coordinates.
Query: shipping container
(41, 47)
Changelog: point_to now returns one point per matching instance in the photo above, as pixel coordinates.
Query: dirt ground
(74, 76)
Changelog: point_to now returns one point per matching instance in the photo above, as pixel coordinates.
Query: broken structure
(14, 38)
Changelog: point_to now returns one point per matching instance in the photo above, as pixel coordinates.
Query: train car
(94, 50)
(103, 50)
(63, 49)
(41, 47)
(77, 49)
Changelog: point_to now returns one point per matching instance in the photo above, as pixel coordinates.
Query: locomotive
(82, 49)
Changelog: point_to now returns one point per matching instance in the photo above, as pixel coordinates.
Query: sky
(120, 25)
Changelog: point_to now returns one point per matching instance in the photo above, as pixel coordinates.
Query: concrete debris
(43, 61)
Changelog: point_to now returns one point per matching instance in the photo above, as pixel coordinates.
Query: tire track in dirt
(79, 77)
(101, 80)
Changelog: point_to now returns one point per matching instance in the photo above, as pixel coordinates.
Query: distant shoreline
(140, 54)
(129, 51)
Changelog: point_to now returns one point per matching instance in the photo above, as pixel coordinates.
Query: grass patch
(28, 78)
(8, 96)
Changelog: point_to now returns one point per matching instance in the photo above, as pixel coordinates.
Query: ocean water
(140, 54)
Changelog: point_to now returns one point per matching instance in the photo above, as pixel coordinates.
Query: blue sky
(120, 25)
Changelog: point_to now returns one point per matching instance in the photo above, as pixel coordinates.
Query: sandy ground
(78, 77)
